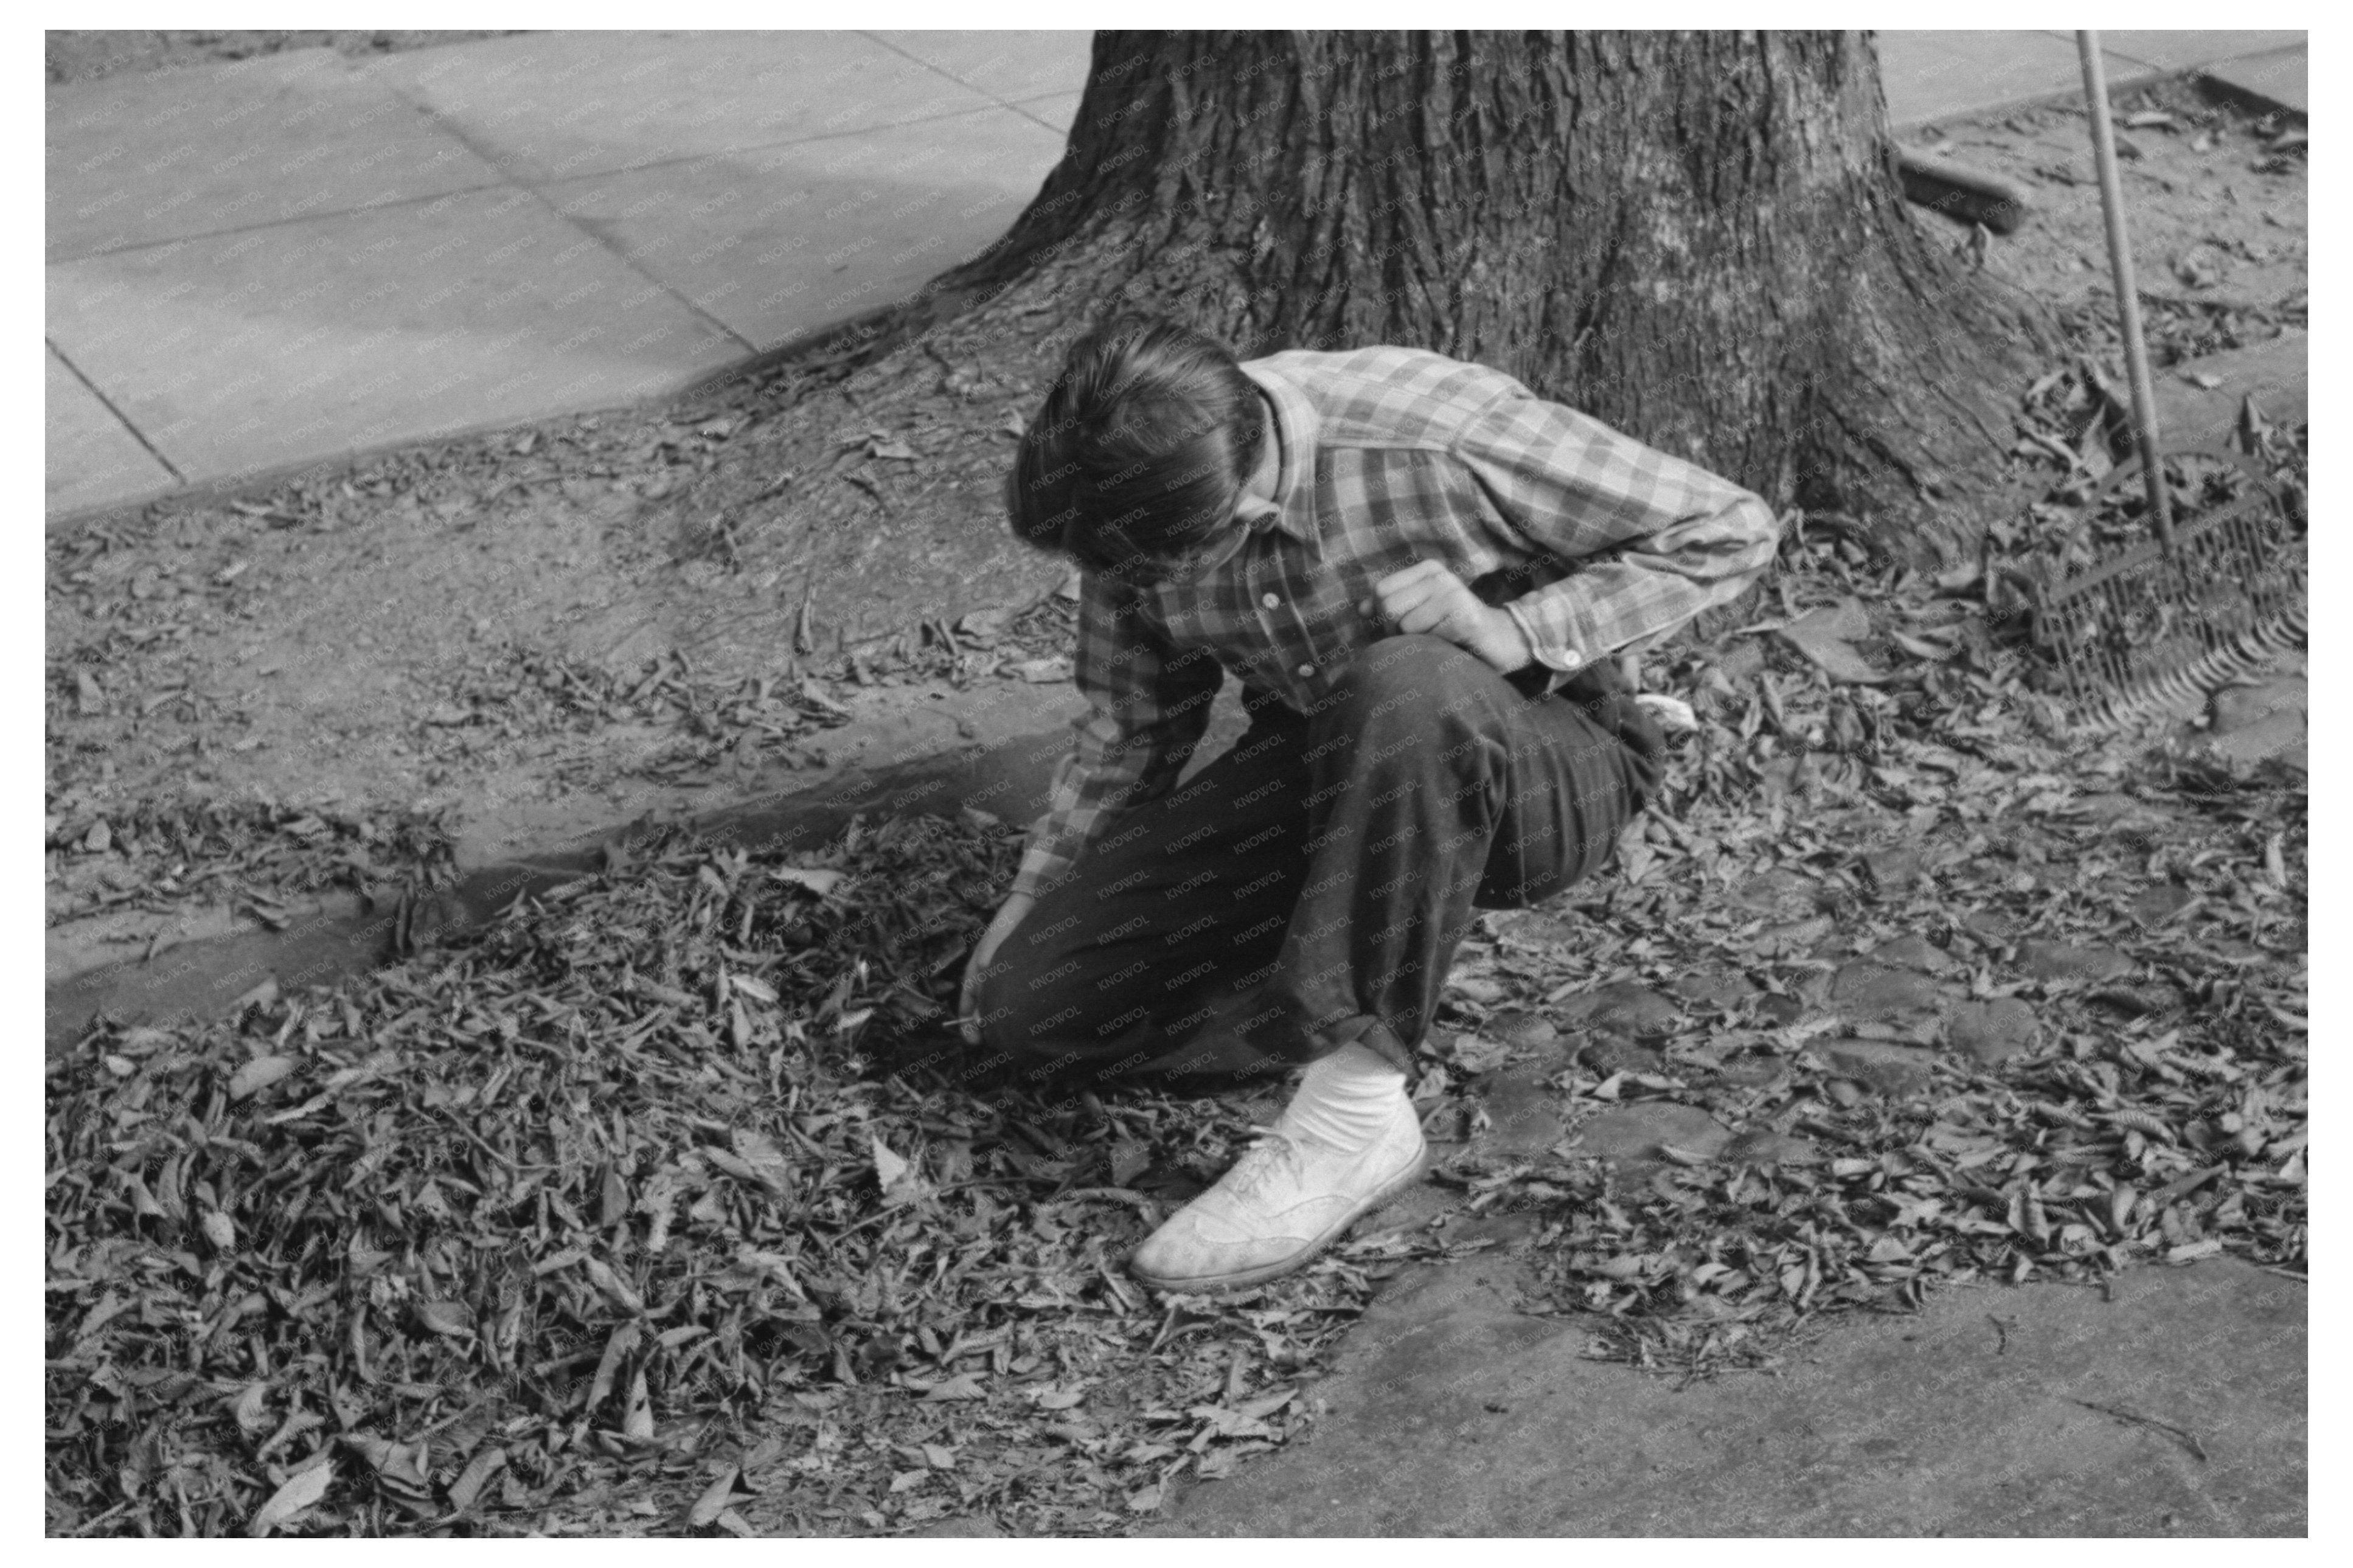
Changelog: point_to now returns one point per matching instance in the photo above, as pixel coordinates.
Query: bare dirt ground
(523, 638)
(2214, 204)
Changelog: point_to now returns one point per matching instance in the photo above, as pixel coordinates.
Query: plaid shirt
(1389, 457)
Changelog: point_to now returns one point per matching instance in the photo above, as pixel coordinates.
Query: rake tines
(2150, 627)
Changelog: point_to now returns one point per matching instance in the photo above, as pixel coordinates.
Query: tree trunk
(1698, 237)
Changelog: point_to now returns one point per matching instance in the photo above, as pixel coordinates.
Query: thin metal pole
(2112, 208)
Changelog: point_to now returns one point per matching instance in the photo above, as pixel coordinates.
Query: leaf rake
(2167, 618)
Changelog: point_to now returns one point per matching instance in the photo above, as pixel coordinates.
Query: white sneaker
(1286, 1200)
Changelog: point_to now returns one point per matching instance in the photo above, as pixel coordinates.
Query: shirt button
(1306, 670)
(1272, 601)
(1571, 659)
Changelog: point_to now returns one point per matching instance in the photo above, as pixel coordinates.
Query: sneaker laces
(1271, 1151)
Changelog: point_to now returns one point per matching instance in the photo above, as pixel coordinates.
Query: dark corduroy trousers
(1308, 887)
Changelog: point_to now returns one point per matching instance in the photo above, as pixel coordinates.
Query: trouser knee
(1407, 670)
(1421, 685)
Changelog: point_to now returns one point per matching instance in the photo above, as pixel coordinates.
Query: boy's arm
(1672, 538)
(1150, 705)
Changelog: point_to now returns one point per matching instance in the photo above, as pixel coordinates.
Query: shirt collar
(1296, 427)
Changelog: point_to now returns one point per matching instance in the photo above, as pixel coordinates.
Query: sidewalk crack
(491, 156)
(123, 419)
(943, 70)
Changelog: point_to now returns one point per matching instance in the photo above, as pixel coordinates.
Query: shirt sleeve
(1148, 708)
(1670, 538)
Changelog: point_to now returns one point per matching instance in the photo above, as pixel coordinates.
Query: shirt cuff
(1564, 660)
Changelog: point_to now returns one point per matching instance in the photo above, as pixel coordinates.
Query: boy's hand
(1014, 909)
(1426, 597)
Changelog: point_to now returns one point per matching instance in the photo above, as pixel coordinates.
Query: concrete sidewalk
(2041, 1411)
(291, 258)
(288, 258)
(1934, 76)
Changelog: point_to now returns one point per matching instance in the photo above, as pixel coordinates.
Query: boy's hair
(1142, 446)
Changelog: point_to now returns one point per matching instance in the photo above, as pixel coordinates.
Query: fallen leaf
(1920, 649)
(252, 1411)
(1219, 1421)
(963, 1385)
(454, 1318)
(618, 1344)
(1130, 1158)
(718, 1495)
(1474, 1054)
(1672, 714)
(615, 1289)
(817, 697)
(759, 1154)
(301, 1493)
(638, 1422)
(1825, 636)
(1266, 1404)
(1478, 988)
(468, 1488)
(1042, 672)
(1961, 578)
(259, 1074)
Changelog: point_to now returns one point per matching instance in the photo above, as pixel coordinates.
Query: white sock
(1345, 1099)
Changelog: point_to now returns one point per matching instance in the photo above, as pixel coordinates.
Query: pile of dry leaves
(249, 855)
(535, 1232)
(1865, 780)
(2126, 1147)
(517, 693)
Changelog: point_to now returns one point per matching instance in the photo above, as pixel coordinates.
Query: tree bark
(1698, 237)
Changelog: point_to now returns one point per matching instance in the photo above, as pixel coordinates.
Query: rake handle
(2112, 211)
